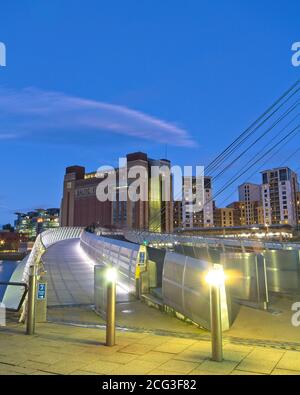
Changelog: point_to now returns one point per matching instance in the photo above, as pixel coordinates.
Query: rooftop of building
(249, 183)
(276, 169)
(81, 173)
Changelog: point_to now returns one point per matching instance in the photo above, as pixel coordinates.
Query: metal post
(266, 303)
(138, 288)
(262, 282)
(111, 314)
(216, 323)
(223, 247)
(30, 327)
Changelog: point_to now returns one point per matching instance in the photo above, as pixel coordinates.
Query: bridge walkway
(70, 274)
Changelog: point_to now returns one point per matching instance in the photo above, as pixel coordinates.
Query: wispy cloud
(30, 111)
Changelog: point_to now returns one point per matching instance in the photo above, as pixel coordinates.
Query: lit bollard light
(216, 278)
(111, 276)
(31, 302)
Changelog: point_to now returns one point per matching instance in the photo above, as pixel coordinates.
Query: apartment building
(279, 196)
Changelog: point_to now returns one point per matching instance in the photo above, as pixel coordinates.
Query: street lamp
(111, 277)
(216, 279)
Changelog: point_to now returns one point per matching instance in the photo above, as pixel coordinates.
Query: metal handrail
(16, 284)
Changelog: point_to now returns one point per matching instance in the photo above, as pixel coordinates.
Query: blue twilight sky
(89, 81)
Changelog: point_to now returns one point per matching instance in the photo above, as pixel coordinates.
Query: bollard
(138, 288)
(111, 308)
(215, 278)
(216, 324)
(30, 327)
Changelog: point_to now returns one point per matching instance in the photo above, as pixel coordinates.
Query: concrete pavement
(64, 350)
(154, 342)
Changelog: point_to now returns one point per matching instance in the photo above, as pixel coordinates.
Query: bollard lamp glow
(111, 274)
(215, 277)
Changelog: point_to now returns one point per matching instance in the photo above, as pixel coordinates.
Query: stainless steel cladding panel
(241, 268)
(283, 270)
(196, 296)
(185, 290)
(172, 283)
(100, 288)
(209, 254)
(121, 254)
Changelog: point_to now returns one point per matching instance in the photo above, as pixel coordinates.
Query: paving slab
(67, 350)
(285, 372)
(255, 365)
(140, 368)
(290, 361)
(225, 367)
(172, 347)
(156, 356)
(184, 367)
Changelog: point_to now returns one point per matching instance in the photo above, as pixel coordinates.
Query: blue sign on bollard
(41, 291)
(142, 257)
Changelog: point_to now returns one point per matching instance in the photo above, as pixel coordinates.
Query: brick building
(81, 207)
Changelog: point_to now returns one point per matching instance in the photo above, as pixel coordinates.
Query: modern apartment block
(197, 218)
(249, 192)
(250, 199)
(188, 193)
(226, 217)
(81, 207)
(298, 208)
(249, 213)
(260, 214)
(279, 196)
(208, 210)
(177, 214)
